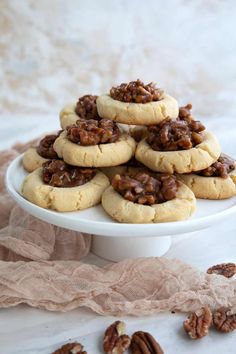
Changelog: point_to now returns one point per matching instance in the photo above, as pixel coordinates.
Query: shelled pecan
(226, 269)
(70, 348)
(198, 323)
(224, 320)
(144, 343)
(115, 340)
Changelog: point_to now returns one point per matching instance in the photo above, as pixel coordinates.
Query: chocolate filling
(57, 173)
(137, 91)
(182, 133)
(93, 132)
(147, 189)
(45, 147)
(86, 107)
(221, 168)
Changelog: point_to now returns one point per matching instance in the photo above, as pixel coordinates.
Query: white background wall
(53, 51)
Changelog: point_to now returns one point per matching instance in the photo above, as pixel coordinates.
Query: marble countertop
(30, 331)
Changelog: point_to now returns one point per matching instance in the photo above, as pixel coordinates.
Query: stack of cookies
(135, 151)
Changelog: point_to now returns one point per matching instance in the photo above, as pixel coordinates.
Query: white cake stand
(113, 240)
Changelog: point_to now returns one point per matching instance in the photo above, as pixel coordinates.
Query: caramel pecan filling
(45, 147)
(137, 91)
(147, 189)
(93, 132)
(86, 107)
(182, 133)
(57, 173)
(221, 168)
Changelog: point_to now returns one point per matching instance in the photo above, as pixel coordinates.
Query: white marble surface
(30, 331)
(53, 54)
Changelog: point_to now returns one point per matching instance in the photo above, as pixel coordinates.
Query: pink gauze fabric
(40, 265)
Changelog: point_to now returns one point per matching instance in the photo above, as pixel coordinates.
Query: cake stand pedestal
(116, 249)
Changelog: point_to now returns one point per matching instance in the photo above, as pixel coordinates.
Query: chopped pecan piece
(57, 173)
(226, 269)
(137, 91)
(224, 320)
(182, 133)
(221, 168)
(45, 147)
(144, 343)
(115, 341)
(86, 107)
(70, 348)
(146, 188)
(93, 132)
(198, 323)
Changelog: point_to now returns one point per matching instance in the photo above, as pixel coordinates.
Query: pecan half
(144, 343)
(198, 323)
(115, 341)
(223, 320)
(226, 269)
(70, 348)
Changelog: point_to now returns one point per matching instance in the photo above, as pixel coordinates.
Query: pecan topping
(221, 168)
(144, 343)
(115, 341)
(45, 147)
(70, 348)
(57, 173)
(144, 188)
(86, 107)
(137, 91)
(182, 133)
(198, 323)
(93, 132)
(224, 321)
(226, 269)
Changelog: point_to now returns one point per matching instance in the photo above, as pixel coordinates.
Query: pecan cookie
(218, 181)
(179, 145)
(148, 199)
(85, 108)
(181, 161)
(34, 157)
(137, 103)
(94, 144)
(61, 187)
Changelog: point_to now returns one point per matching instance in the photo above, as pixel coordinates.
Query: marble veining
(53, 52)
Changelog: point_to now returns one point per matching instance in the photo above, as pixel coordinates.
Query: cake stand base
(119, 248)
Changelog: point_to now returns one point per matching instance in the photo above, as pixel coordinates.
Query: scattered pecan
(57, 173)
(70, 348)
(226, 269)
(115, 341)
(137, 91)
(198, 323)
(86, 107)
(181, 133)
(45, 147)
(146, 188)
(93, 132)
(144, 343)
(223, 320)
(221, 168)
